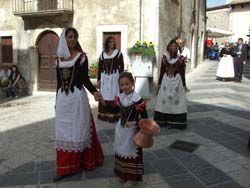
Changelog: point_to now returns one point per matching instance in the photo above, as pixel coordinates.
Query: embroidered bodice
(131, 107)
(170, 67)
(73, 73)
(110, 64)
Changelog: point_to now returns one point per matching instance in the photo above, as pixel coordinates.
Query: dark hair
(240, 39)
(127, 75)
(73, 30)
(106, 43)
(17, 71)
(173, 41)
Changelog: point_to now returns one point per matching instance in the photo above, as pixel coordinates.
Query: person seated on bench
(16, 82)
(4, 75)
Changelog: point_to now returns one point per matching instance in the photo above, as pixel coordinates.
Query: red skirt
(89, 159)
(105, 115)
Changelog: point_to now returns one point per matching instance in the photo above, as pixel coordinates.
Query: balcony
(28, 8)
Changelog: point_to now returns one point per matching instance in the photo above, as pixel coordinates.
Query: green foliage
(145, 49)
(93, 69)
(4, 82)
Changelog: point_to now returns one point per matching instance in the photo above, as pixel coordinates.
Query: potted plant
(142, 56)
(93, 69)
(143, 49)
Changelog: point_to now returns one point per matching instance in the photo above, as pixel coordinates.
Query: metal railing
(41, 6)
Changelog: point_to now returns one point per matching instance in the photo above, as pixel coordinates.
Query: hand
(103, 102)
(99, 84)
(130, 124)
(98, 96)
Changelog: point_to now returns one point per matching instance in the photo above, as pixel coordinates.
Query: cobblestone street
(218, 121)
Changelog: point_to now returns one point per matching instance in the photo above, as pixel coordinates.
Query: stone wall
(219, 19)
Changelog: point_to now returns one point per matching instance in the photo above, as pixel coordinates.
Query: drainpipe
(141, 21)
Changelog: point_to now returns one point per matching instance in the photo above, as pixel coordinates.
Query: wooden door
(47, 47)
(7, 49)
(116, 35)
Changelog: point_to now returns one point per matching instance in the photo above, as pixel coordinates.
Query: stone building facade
(234, 17)
(32, 29)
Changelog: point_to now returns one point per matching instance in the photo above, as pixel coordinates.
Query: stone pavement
(218, 120)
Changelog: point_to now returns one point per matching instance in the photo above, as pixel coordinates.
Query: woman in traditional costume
(77, 144)
(171, 105)
(225, 70)
(128, 156)
(109, 68)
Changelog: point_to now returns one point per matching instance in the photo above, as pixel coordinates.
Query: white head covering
(171, 60)
(62, 49)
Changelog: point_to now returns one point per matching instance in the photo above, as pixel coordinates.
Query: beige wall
(11, 25)
(160, 22)
(240, 22)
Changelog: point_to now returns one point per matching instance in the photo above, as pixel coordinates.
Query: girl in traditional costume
(128, 156)
(109, 67)
(77, 144)
(171, 105)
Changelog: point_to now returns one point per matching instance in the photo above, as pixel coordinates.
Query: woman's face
(173, 48)
(71, 40)
(13, 69)
(112, 44)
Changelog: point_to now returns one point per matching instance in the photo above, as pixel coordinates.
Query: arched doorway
(47, 45)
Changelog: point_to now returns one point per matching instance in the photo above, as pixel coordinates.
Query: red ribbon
(140, 107)
(117, 101)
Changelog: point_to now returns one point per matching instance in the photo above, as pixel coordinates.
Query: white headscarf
(171, 60)
(62, 49)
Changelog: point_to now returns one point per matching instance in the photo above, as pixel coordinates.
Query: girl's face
(71, 40)
(112, 44)
(126, 85)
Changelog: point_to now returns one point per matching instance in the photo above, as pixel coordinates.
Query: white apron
(109, 86)
(171, 97)
(72, 121)
(124, 145)
(226, 67)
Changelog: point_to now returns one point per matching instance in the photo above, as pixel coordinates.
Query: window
(6, 50)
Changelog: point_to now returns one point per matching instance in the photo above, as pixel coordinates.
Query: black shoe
(58, 178)
(187, 90)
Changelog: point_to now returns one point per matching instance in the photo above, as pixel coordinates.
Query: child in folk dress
(128, 156)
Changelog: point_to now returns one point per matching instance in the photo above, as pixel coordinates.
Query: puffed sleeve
(162, 70)
(85, 76)
(100, 67)
(121, 63)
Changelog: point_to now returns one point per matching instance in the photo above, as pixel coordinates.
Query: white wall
(240, 22)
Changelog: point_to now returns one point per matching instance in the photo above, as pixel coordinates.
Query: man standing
(240, 58)
(185, 52)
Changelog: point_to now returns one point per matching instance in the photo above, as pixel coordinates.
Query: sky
(212, 3)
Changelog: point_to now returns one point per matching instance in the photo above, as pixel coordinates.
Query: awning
(216, 33)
